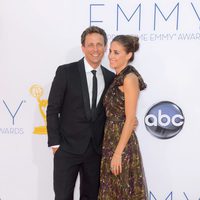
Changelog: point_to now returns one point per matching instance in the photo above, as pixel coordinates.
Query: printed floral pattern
(131, 183)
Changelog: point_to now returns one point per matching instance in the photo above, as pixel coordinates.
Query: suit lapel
(85, 92)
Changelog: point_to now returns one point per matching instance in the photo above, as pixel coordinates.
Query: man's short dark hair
(93, 29)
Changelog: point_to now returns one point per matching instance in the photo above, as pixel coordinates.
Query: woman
(122, 175)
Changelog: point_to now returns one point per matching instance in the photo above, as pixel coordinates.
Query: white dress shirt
(100, 81)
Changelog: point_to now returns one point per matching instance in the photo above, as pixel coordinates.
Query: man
(75, 118)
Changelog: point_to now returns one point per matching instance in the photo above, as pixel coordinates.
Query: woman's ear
(130, 54)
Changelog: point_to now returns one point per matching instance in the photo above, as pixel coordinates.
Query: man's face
(94, 49)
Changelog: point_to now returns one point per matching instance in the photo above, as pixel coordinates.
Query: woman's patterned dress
(131, 183)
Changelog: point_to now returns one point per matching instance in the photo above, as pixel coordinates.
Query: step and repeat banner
(36, 36)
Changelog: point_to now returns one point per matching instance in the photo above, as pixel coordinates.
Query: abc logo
(164, 120)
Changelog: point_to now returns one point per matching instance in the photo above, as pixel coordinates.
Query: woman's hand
(135, 124)
(116, 164)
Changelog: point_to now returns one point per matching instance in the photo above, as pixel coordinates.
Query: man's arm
(55, 101)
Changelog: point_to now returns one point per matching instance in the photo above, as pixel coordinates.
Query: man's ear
(105, 48)
(82, 48)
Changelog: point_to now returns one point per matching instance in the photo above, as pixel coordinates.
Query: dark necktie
(94, 93)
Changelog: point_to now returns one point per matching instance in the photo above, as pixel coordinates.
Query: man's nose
(95, 48)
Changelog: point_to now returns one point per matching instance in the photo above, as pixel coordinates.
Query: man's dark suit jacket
(69, 120)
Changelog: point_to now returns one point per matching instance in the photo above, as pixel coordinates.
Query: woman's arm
(131, 93)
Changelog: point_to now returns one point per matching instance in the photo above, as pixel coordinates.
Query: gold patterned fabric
(131, 183)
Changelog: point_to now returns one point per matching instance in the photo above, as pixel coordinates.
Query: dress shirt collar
(88, 67)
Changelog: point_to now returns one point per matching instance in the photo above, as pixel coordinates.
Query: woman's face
(118, 57)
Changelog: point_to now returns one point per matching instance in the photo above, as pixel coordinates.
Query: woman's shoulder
(132, 72)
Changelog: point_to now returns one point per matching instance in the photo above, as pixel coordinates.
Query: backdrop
(38, 35)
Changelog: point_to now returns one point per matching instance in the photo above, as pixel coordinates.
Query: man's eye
(99, 45)
(90, 45)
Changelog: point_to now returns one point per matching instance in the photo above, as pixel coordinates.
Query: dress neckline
(123, 70)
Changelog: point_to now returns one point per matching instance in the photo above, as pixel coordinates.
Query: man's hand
(54, 149)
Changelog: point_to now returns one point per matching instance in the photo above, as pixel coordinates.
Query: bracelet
(117, 155)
